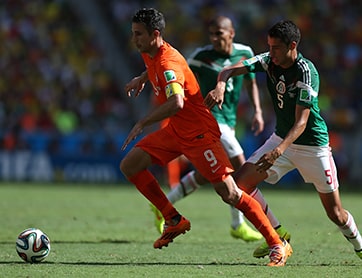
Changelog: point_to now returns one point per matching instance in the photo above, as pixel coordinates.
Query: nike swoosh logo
(214, 170)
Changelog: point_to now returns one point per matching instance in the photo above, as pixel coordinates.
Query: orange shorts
(205, 152)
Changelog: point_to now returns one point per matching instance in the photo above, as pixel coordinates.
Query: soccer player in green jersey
(206, 63)
(300, 139)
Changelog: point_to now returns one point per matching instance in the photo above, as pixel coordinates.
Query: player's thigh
(281, 166)
(316, 165)
(209, 158)
(161, 146)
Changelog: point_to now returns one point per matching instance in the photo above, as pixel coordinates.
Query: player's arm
(136, 84)
(174, 103)
(300, 123)
(216, 96)
(257, 124)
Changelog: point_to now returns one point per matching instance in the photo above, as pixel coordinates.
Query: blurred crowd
(53, 81)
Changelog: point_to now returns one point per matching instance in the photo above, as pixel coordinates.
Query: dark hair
(286, 30)
(151, 18)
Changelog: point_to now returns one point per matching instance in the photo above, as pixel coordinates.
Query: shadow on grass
(117, 241)
(169, 264)
(129, 263)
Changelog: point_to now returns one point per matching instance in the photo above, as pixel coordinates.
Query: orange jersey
(170, 66)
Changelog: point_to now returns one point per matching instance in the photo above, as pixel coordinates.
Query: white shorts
(314, 163)
(229, 141)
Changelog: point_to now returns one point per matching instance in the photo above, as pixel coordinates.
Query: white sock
(186, 186)
(237, 217)
(257, 195)
(350, 231)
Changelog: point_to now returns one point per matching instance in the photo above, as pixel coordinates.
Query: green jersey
(299, 84)
(206, 64)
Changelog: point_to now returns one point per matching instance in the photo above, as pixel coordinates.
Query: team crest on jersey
(305, 95)
(169, 75)
(280, 87)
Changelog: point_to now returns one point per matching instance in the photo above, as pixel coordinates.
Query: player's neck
(290, 60)
(156, 47)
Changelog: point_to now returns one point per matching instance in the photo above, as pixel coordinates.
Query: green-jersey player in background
(300, 139)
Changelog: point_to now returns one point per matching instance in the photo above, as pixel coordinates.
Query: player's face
(282, 55)
(221, 39)
(144, 41)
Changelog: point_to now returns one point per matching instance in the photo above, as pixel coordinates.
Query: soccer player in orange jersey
(192, 131)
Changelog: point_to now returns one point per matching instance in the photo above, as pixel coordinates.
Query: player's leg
(134, 167)
(239, 227)
(175, 168)
(214, 165)
(279, 249)
(247, 178)
(343, 219)
(188, 184)
(317, 166)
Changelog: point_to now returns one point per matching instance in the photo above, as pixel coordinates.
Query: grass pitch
(107, 231)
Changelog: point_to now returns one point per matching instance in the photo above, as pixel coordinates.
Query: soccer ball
(33, 245)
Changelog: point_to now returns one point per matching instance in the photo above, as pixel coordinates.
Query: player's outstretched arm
(136, 84)
(216, 96)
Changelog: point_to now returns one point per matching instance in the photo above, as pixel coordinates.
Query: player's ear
(232, 33)
(293, 45)
(156, 33)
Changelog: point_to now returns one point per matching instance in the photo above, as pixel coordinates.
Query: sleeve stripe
(306, 76)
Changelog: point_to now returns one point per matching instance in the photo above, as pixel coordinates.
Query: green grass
(107, 231)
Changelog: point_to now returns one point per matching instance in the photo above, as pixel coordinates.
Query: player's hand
(257, 124)
(267, 160)
(135, 86)
(136, 130)
(215, 96)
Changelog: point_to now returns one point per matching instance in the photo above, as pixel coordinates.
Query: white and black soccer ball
(33, 245)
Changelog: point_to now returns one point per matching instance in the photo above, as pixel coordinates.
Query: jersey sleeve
(307, 84)
(250, 75)
(257, 63)
(172, 78)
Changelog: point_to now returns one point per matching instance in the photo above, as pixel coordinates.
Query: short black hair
(151, 18)
(285, 30)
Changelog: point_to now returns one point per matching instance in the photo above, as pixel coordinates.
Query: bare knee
(230, 199)
(228, 191)
(135, 161)
(123, 167)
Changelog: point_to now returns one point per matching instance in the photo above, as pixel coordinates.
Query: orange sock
(174, 172)
(254, 213)
(150, 188)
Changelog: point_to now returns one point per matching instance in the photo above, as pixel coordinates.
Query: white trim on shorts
(314, 163)
(229, 141)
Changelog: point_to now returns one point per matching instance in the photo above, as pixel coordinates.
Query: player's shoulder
(241, 46)
(201, 51)
(171, 55)
(304, 64)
